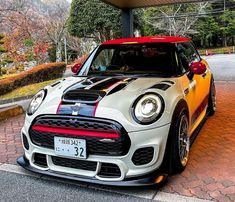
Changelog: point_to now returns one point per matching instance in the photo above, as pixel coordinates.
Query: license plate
(70, 147)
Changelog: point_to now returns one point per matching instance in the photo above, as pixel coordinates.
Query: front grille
(109, 170)
(73, 163)
(40, 160)
(95, 145)
(143, 156)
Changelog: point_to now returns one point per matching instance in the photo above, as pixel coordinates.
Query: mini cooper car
(126, 117)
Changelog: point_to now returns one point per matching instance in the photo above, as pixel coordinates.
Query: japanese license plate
(70, 147)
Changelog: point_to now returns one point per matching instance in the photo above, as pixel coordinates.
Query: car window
(187, 55)
(135, 59)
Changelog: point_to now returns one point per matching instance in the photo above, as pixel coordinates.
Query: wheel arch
(181, 104)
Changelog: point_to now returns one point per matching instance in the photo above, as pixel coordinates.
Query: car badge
(75, 109)
(107, 140)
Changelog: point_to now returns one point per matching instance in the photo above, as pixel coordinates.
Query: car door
(197, 86)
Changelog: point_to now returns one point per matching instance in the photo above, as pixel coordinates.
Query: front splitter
(146, 180)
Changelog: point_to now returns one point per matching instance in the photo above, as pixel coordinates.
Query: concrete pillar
(127, 23)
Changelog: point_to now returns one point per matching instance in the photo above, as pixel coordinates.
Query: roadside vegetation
(27, 90)
(35, 75)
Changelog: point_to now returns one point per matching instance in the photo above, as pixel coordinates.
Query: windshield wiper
(108, 74)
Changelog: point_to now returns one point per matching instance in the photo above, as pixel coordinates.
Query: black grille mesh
(73, 163)
(40, 160)
(109, 170)
(25, 142)
(75, 123)
(143, 156)
(117, 147)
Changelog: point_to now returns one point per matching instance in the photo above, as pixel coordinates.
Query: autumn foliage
(37, 74)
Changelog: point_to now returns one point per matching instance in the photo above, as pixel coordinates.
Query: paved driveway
(223, 66)
(211, 170)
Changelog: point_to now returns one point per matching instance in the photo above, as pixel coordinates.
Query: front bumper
(130, 172)
(151, 179)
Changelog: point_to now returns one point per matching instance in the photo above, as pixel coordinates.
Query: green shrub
(12, 71)
(35, 75)
(21, 68)
(3, 71)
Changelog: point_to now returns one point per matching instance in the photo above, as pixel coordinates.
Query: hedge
(35, 75)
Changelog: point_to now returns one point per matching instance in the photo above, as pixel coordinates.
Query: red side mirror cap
(197, 68)
(75, 68)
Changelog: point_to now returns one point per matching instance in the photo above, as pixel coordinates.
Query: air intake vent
(25, 141)
(40, 160)
(161, 86)
(83, 96)
(109, 170)
(72, 163)
(143, 156)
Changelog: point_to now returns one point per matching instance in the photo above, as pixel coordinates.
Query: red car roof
(148, 39)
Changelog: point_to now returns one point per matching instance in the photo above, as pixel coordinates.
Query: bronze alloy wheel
(184, 142)
(213, 96)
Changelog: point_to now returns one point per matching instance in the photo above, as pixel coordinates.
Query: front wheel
(180, 143)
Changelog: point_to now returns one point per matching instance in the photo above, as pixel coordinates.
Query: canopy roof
(145, 3)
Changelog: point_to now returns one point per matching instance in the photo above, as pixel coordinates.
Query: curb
(11, 111)
(15, 99)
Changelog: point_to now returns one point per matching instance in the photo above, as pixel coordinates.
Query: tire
(180, 143)
(212, 100)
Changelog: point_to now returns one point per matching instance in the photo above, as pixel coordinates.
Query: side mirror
(197, 68)
(75, 68)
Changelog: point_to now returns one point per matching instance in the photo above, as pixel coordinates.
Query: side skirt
(197, 130)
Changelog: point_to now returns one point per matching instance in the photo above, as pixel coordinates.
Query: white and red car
(126, 117)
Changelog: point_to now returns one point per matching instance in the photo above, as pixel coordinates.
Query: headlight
(36, 102)
(148, 108)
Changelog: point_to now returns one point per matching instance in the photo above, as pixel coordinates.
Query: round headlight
(148, 108)
(36, 102)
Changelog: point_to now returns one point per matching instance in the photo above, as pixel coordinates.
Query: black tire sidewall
(211, 110)
(176, 165)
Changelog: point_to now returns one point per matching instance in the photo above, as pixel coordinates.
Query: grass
(7, 76)
(223, 50)
(27, 90)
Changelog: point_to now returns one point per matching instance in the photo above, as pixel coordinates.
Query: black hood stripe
(106, 84)
(78, 101)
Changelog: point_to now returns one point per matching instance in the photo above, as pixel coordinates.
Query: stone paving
(210, 173)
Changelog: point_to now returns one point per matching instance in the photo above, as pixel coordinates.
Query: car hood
(104, 97)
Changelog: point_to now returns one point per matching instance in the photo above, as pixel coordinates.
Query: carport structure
(128, 5)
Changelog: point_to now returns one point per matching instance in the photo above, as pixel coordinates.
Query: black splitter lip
(147, 180)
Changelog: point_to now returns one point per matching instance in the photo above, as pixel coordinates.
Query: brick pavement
(210, 173)
(10, 141)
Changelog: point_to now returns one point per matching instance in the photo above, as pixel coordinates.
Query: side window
(187, 55)
(103, 60)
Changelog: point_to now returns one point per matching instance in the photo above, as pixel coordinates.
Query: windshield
(141, 59)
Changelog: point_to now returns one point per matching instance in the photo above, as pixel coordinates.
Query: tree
(95, 19)
(207, 28)
(55, 25)
(228, 28)
(2, 50)
(173, 20)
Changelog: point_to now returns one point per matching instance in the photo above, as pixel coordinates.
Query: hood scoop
(83, 96)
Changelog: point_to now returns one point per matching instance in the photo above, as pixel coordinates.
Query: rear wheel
(212, 100)
(180, 143)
